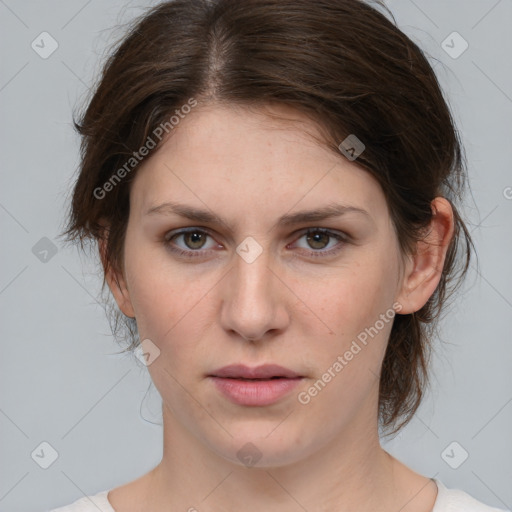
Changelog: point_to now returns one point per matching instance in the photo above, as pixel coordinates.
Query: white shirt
(448, 500)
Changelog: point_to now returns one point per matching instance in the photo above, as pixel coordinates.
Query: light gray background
(61, 381)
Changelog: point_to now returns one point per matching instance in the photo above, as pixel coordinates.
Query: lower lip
(255, 392)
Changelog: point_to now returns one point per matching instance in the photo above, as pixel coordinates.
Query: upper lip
(265, 371)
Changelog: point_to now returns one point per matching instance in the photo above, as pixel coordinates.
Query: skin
(300, 311)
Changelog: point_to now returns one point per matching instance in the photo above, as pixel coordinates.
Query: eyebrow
(331, 210)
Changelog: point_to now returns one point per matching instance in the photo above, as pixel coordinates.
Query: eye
(319, 239)
(194, 240)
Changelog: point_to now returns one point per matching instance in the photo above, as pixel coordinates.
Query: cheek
(351, 305)
(358, 307)
(158, 291)
(172, 307)
(354, 296)
(166, 312)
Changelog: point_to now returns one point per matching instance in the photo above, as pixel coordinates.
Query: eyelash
(200, 253)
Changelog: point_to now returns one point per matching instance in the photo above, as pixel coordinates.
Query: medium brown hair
(344, 64)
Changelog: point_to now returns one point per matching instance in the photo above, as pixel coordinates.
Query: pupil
(316, 238)
(195, 238)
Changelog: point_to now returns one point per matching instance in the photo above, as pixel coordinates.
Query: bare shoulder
(415, 492)
(457, 500)
(131, 496)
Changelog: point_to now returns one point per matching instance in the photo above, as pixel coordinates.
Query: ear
(424, 268)
(115, 279)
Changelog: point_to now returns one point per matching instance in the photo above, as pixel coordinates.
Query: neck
(350, 472)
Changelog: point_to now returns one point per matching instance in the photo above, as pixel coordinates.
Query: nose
(254, 299)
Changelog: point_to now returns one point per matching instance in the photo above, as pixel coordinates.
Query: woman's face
(317, 305)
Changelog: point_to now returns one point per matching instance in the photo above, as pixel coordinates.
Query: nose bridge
(251, 278)
(250, 301)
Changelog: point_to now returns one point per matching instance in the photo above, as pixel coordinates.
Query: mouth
(263, 372)
(243, 378)
(260, 386)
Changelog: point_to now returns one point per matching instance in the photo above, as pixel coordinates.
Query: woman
(272, 187)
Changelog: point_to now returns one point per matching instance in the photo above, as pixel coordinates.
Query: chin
(256, 448)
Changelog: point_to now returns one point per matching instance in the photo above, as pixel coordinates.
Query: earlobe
(424, 268)
(116, 282)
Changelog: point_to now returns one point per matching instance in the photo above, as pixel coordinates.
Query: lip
(265, 371)
(272, 383)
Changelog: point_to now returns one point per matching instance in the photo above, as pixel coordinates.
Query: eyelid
(183, 231)
(341, 236)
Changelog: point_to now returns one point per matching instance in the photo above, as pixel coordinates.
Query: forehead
(229, 158)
